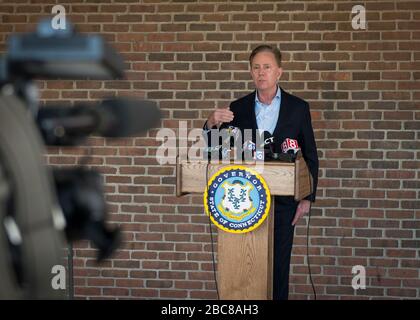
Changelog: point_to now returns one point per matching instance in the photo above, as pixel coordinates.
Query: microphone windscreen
(290, 145)
(124, 117)
(249, 146)
(268, 139)
(267, 135)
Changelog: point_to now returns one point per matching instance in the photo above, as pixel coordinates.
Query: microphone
(233, 133)
(229, 136)
(249, 146)
(291, 148)
(268, 143)
(222, 152)
(212, 149)
(114, 118)
(234, 137)
(286, 152)
(225, 153)
(268, 146)
(250, 152)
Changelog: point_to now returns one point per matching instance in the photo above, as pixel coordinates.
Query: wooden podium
(245, 261)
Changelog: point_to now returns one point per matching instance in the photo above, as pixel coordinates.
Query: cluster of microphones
(266, 147)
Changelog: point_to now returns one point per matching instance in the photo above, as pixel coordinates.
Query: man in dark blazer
(272, 109)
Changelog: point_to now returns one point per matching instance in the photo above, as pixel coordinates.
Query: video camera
(39, 205)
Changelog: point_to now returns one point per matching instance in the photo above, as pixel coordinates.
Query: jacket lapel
(251, 107)
(282, 114)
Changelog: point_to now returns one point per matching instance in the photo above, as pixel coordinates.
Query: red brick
(146, 293)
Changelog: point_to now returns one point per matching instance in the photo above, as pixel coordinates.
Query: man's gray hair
(266, 48)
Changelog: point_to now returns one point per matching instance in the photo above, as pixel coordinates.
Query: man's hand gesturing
(217, 117)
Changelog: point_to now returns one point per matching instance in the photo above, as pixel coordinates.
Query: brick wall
(191, 56)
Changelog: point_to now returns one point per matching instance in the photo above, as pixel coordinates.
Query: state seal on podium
(237, 199)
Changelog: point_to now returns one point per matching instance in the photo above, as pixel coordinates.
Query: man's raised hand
(218, 116)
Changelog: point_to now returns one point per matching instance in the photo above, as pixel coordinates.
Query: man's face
(264, 71)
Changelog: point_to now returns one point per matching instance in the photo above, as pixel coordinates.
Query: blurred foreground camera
(81, 196)
(39, 207)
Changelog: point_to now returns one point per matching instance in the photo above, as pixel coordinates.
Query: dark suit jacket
(294, 122)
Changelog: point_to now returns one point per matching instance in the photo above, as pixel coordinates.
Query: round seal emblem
(237, 199)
